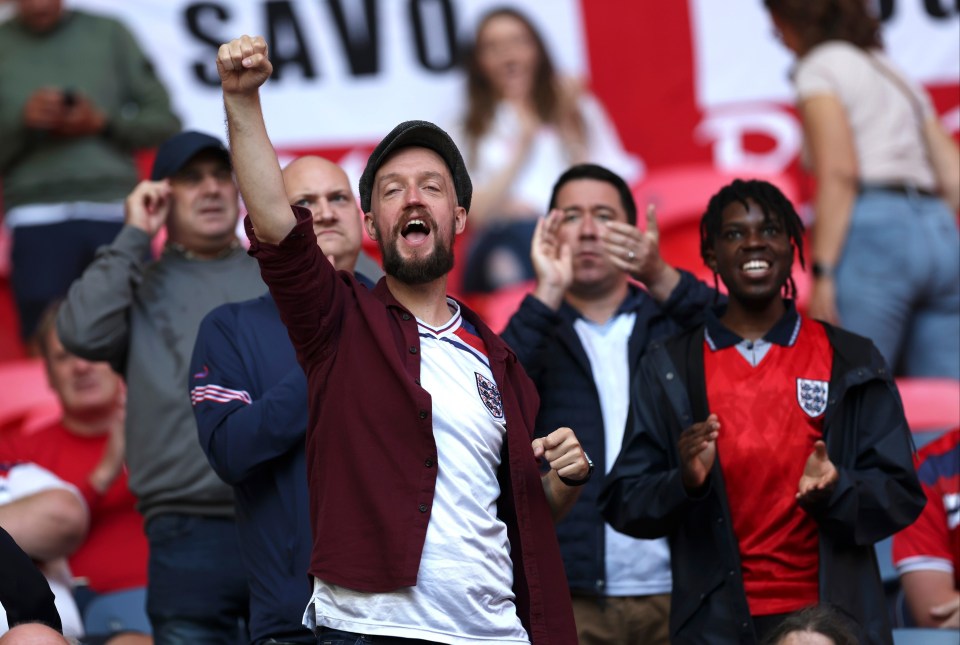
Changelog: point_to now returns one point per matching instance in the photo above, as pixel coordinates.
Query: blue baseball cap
(174, 153)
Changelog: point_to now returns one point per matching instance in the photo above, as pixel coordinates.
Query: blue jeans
(197, 590)
(114, 612)
(898, 281)
(46, 259)
(327, 636)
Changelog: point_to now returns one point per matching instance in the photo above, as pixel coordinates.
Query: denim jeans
(197, 590)
(898, 281)
(46, 259)
(114, 612)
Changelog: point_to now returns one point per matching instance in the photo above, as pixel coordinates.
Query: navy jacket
(550, 350)
(250, 401)
(876, 495)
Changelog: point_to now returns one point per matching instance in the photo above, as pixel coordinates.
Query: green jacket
(97, 57)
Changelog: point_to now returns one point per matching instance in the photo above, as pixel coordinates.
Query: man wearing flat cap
(143, 318)
(432, 522)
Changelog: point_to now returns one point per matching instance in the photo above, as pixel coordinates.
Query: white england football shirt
(464, 591)
(23, 479)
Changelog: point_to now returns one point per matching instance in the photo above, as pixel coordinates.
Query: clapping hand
(552, 260)
(819, 476)
(697, 447)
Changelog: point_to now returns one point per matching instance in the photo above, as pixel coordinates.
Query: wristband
(579, 482)
(821, 270)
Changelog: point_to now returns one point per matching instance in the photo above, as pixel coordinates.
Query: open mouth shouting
(415, 231)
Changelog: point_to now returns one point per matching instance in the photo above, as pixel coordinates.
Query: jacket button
(405, 316)
(423, 414)
(423, 508)
(669, 376)
(719, 520)
(731, 573)
(428, 463)
(413, 350)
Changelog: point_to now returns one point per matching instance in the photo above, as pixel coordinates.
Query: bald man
(33, 634)
(323, 187)
(250, 400)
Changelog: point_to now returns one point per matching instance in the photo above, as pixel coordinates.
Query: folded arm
(47, 525)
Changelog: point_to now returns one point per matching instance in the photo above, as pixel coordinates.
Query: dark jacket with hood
(876, 495)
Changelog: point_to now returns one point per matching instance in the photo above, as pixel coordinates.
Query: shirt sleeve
(13, 133)
(24, 592)
(145, 117)
(818, 73)
(689, 301)
(925, 544)
(930, 543)
(24, 479)
(241, 429)
(877, 492)
(305, 287)
(528, 331)
(94, 320)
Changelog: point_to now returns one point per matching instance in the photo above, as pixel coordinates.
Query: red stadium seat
(26, 400)
(497, 308)
(930, 404)
(680, 194)
(5, 241)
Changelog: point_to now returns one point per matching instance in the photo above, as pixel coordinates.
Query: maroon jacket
(371, 455)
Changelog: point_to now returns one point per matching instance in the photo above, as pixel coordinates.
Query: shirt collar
(783, 333)
(632, 302)
(181, 250)
(448, 327)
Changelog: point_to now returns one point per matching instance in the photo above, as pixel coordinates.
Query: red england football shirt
(770, 416)
(932, 543)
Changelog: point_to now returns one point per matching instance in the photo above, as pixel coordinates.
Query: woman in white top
(523, 126)
(885, 246)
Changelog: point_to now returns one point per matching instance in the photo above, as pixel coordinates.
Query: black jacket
(550, 350)
(24, 592)
(877, 493)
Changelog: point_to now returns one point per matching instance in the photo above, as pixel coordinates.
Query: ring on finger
(631, 255)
